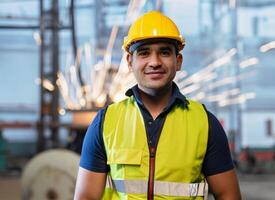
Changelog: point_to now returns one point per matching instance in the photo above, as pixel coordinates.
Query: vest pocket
(125, 163)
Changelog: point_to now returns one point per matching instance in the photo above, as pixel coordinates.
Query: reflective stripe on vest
(160, 187)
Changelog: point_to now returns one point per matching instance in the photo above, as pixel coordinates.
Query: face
(154, 65)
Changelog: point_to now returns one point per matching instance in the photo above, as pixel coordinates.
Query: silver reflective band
(161, 188)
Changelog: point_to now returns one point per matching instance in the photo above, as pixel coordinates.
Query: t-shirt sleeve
(218, 158)
(93, 155)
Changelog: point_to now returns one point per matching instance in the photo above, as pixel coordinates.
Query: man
(155, 144)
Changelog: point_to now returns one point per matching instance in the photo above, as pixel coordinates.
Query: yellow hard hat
(153, 25)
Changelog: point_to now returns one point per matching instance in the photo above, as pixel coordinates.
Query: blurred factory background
(61, 61)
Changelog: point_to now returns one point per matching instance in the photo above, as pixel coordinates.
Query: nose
(155, 60)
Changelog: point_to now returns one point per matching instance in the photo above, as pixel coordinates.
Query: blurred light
(209, 77)
(100, 101)
(237, 100)
(249, 62)
(250, 95)
(134, 10)
(223, 95)
(87, 53)
(224, 59)
(190, 89)
(110, 45)
(47, 84)
(82, 102)
(73, 75)
(232, 52)
(118, 97)
(73, 106)
(181, 74)
(37, 38)
(62, 83)
(203, 73)
(266, 47)
(62, 111)
(64, 90)
(199, 96)
(232, 4)
(232, 92)
(222, 82)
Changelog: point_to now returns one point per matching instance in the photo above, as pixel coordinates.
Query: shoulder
(197, 110)
(122, 102)
(93, 156)
(118, 107)
(94, 129)
(98, 118)
(216, 131)
(195, 105)
(215, 125)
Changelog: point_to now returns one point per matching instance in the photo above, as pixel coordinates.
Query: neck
(156, 100)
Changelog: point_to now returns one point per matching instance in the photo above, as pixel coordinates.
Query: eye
(165, 52)
(143, 53)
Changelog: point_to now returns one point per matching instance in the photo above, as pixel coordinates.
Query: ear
(129, 58)
(179, 61)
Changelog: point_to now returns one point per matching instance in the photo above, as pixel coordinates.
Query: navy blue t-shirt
(217, 158)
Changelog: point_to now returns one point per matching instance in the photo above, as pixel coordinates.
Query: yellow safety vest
(172, 170)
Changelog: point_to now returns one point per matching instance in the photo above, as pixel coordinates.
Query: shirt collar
(177, 96)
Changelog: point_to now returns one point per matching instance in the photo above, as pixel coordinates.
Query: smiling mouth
(155, 75)
(154, 72)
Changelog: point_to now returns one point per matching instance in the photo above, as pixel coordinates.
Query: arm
(89, 185)
(225, 185)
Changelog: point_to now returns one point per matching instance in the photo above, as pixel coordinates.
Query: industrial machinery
(51, 175)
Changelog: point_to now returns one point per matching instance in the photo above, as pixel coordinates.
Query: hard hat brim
(135, 45)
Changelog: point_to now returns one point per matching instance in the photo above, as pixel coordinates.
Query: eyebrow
(144, 48)
(166, 48)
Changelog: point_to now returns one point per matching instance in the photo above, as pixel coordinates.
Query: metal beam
(19, 27)
(49, 66)
(31, 27)
(40, 127)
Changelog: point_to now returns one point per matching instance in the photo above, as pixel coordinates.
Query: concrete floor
(10, 188)
(253, 187)
(258, 187)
